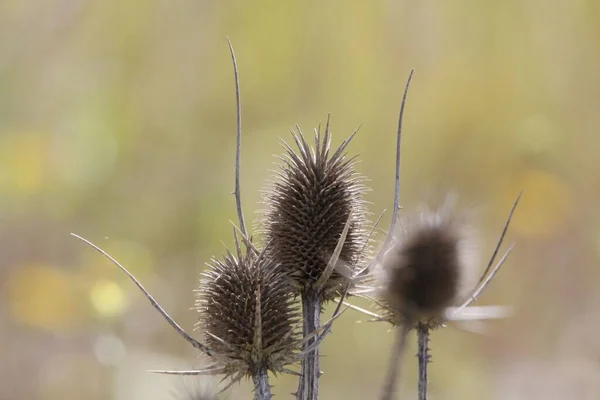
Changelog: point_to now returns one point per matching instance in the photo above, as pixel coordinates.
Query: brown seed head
(247, 314)
(427, 267)
(308, 207)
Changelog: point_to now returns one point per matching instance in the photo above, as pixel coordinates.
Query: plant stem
(423, 356)
(262, 389)
(389, 385)
(308, 388)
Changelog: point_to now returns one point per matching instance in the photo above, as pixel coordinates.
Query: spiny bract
(247, 315)
(308, 207)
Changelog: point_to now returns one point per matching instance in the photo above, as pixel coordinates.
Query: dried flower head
(307, 208)
(428, 266)
(247, 315)
(425, 280)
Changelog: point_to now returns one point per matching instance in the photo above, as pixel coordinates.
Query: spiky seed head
(429, 265)
(247, 314)
(307, 208)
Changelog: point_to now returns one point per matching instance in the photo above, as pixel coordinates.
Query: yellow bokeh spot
(44, 297)
(545, 205)
(108, 298)
(24, 162)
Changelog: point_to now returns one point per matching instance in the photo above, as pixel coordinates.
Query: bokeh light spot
(44, 297)
(109, 350)
(107, 298)
(23, 158)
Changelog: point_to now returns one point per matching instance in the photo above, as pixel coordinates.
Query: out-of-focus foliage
(117, 121)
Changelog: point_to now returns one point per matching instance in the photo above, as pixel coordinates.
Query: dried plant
(428, 265)
(307, 208)
(249, 321)
(425, 280)
(316, 246)
(248, 318)
(422, 276)
(316, 196)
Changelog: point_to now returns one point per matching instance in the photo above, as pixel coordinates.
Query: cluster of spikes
(316, 245)
(247, 314)
(307, 209)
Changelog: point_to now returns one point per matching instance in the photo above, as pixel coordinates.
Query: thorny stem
(308, 388)
(238, 147)
(389, 385)
(424, 358)
(262, 389)
(398, 146)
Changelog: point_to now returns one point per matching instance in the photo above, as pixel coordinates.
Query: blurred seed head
(428, 266)
(307, 208)
(247, 315)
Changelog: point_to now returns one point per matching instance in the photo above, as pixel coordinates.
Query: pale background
(117, 121)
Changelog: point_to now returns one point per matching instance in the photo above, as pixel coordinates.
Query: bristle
(247, 315)
(428, 266)
(307, 208)
(195, 396)
(194, 389)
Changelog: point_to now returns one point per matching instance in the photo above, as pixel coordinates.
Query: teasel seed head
(428, 267)
(247, 314)
(307, 207)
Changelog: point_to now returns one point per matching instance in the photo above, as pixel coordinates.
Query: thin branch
(366, 312)
(238, 149)
(290, 372)
(487, 280)
(154, 303)
(247, 240)
(398, 145)
(208, 371)
(495, 253)
(389, 384)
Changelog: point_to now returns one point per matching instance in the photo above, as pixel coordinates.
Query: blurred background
(117, 122)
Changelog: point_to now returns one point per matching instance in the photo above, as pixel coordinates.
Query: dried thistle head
(247, 314)
(428, 267)
(307, 207)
